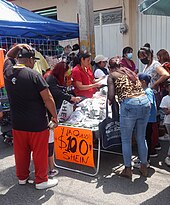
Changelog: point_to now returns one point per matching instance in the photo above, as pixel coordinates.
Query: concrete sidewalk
(73, 188)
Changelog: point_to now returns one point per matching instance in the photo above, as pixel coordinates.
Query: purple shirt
(124, 63)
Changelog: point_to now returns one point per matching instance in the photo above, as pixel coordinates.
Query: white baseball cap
(100, 58)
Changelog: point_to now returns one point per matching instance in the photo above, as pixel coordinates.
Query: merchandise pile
(88, 113)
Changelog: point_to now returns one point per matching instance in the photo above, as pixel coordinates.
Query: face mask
(129, 55)
(144, 60)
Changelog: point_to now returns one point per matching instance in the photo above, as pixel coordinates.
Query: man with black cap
(29, 97)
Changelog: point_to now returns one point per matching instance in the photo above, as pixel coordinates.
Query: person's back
(29, 97)
(27, 107)
(124, 87)
(134, 113)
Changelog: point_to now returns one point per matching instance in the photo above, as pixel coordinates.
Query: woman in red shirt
(83, 79)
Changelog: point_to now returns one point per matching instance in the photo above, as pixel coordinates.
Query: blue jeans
(134, 114)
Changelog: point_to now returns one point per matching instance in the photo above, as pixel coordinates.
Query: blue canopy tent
(16, 21)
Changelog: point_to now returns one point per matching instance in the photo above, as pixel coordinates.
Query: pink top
(124, 63)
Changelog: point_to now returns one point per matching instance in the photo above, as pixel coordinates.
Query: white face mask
(129, 55)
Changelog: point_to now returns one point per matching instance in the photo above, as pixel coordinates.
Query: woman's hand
(97, 85)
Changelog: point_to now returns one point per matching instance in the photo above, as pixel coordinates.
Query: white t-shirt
(165, 103)
(152, 71)
(51, 136)
(98, 73)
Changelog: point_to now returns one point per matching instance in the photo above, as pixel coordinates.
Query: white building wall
(108, 40)
(67, 9)
(154, 30)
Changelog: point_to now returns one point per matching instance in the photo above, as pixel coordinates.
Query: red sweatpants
(25, 143)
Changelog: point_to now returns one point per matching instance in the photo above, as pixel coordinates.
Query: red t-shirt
(86, 77)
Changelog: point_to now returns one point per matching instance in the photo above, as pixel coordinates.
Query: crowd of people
(35, 100)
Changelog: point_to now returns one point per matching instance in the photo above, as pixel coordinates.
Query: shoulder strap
(115, 110)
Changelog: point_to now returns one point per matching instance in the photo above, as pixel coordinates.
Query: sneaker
(166, 137)
(47, 184)
(158, 147)
(153, 154)
(136, 160)
(22, 182)
(167, 161)
(53, 173)
(138, 165)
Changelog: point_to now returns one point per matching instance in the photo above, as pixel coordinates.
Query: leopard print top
(125, 88)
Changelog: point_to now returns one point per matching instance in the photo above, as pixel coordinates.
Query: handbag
(65, 111)
(109, 128)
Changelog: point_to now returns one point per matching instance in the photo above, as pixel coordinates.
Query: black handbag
(109, 128)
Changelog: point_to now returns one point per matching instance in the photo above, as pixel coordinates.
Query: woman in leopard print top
(134, 113)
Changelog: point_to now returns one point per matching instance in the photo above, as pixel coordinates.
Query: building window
(110, 16)
(96, 19)
(50, 12)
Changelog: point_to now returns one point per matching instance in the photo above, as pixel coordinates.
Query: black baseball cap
(25, 53)
(75, 47)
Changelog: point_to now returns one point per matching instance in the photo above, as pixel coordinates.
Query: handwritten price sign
(74, 145)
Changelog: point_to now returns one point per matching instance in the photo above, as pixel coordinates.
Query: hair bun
(147, 45)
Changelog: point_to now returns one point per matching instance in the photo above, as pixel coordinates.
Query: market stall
(78, 134)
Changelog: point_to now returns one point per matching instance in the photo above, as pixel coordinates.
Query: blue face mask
(129, 55)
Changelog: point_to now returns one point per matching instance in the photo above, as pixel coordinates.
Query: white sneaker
(137, 165)
(137, 160)
(167, 161)
(47, 184)
(22, 182)
(166, 137)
